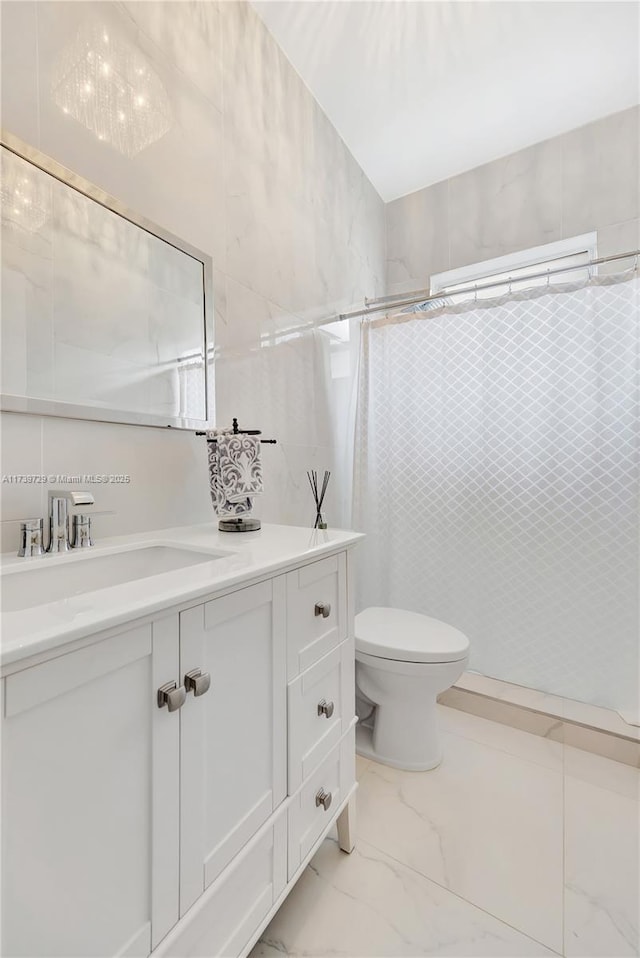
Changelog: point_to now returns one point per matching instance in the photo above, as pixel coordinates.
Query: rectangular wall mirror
(105, 315)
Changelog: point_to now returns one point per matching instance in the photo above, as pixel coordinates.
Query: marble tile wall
(587, 179)
(253, 173)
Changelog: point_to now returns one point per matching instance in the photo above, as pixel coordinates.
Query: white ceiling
(420, 91)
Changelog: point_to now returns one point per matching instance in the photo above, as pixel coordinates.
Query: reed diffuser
(318, 495)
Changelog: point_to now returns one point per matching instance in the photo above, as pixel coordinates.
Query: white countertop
(251, 555)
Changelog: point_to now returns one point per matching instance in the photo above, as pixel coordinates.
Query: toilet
(403, 661)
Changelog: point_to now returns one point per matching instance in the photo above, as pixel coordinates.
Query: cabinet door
(90, 797)
(233, 737)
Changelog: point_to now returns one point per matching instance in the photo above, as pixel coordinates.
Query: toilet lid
(408, 636)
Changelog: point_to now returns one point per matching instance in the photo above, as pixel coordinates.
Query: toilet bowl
(403, 661)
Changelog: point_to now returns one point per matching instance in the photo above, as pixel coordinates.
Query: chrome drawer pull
(325, 708)
(323, 609)
(197, 682)
(171, 696)
(323, 798)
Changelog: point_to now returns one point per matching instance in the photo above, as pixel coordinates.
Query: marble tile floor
(515, 845)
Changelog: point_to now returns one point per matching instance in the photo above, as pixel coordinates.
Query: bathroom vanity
(175, 746)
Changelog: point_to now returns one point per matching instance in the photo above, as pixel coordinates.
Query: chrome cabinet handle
(323, 609)
(197, 682)
(325, 708)
(323, 798)
(171, 696)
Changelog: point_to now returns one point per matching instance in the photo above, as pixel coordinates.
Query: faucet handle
(31, 538)
(81, 537)
(81, 531)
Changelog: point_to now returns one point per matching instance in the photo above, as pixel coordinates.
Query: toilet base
(364, 748)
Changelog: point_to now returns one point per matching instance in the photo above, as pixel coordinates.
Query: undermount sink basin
(56, 579)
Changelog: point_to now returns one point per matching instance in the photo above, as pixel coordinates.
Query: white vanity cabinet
(133, 825)
(90, 796)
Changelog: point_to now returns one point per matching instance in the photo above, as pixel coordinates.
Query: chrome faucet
(59, 501)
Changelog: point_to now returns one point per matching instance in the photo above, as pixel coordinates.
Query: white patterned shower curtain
(497, 478)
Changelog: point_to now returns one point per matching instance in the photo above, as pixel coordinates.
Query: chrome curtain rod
(424, 296)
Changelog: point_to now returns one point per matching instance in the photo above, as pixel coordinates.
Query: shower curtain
(497, 478)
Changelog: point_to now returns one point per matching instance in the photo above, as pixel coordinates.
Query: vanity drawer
(308, 817)
(316, 612)
(321, 707)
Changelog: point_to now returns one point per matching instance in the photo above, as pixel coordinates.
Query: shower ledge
(594, 729)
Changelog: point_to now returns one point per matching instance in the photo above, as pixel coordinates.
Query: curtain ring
(475, 289)
(548, 279)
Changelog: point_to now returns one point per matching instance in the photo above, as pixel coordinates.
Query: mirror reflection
(97, 311)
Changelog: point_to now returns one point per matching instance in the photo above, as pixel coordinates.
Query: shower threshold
(589, 727)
